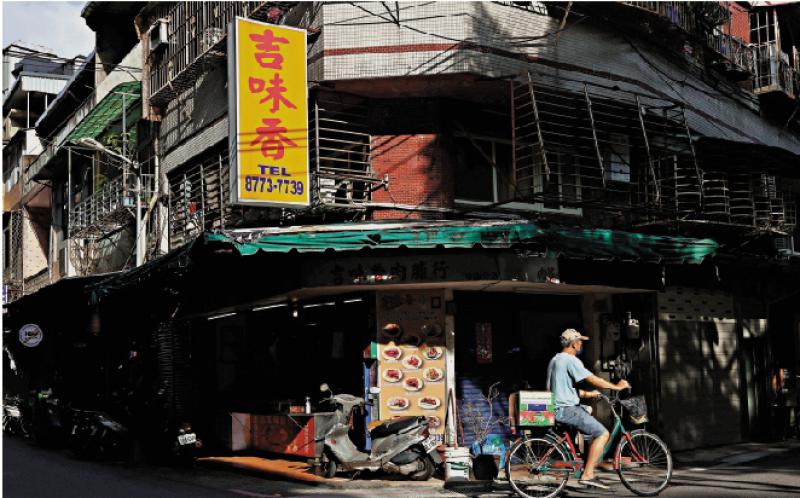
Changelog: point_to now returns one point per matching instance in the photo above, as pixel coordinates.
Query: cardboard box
(537, 419)
(536, 409)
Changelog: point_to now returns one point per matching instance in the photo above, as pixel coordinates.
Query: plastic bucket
(456, 464)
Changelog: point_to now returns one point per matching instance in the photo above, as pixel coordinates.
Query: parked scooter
(13, 422)
(399, 446)
(46, 413)
(185, 445)
(95, 435)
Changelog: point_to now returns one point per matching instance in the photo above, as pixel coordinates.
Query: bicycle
(539, 467)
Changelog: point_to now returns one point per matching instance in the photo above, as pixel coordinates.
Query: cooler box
(536, 409)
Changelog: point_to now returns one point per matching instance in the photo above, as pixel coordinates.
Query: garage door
(698, 350)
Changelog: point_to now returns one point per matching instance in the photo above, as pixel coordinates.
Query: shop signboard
(268, 114)
(347, 270)
(30, 335)
(412, 356)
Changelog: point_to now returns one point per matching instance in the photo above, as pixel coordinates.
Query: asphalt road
(33, 472)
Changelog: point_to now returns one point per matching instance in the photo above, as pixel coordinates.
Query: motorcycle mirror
(324, 388)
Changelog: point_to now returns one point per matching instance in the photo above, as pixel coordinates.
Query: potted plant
(488, 446)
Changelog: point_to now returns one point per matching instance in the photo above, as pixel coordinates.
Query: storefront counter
(295, 434)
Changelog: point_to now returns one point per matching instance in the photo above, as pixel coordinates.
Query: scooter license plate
(430, 444)
(190, 438)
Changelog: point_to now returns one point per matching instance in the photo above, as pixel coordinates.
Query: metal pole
(69, 193)
(28, 111)
(124, 129)
(138, 241)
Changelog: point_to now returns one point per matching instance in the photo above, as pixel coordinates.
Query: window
(483, 169)
(617, 158)
(562, 188)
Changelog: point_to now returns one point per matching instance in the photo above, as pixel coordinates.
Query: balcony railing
(681, 14)
(54, 144)
(196, 31)
(773, 73)
(110, 208)
(737, 54)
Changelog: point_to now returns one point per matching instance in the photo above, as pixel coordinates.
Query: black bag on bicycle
(636, 407)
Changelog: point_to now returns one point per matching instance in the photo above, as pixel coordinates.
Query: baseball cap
(573, 335)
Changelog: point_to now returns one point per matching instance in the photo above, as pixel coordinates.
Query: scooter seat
(393, 426)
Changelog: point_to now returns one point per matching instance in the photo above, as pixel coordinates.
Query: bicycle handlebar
(614, 398)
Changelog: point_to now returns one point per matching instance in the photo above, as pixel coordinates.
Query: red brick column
(420, 174)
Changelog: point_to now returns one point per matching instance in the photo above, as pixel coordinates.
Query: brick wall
(740, 22)
(419, 174)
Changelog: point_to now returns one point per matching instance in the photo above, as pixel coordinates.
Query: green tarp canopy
(108, 111)
(591, 243)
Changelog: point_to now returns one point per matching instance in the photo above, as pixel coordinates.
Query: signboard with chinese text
(268, 114)
(412, 356)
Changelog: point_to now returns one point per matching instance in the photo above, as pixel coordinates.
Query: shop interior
(270, 358)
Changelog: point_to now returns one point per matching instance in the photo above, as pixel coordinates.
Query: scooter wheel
(327, 466)
(425, 472)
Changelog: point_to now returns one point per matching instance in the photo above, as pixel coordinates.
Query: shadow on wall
(700, 391)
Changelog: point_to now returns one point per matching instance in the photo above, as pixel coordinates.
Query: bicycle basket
(637, 409)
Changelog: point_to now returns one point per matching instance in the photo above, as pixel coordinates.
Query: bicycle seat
(561, 428)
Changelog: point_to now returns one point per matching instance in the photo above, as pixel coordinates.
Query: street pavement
(33, 472)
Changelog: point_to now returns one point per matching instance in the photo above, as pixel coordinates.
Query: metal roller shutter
(699, 361)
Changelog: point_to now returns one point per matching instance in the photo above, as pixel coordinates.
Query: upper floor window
(617, 158)
(483, 168)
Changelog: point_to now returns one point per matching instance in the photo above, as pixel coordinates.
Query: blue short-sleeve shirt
(563, 372)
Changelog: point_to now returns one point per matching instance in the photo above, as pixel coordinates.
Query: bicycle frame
(577, 464)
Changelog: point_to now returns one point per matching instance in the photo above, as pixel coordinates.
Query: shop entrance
(506, 338)
(268, 359)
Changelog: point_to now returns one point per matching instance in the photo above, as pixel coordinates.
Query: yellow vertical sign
(268, 114)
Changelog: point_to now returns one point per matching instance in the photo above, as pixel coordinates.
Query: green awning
(108, 111)
(558, 240)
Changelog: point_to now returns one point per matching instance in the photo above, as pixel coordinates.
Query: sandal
(594, 482)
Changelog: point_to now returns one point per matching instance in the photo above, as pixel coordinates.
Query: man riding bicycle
(563, 373)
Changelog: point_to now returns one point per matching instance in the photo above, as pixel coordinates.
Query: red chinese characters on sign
(274, 92)
(271, 136)
(269, 52)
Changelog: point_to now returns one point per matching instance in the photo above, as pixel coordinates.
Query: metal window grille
(341, 149)
(111, 207)
(622, 152)
(198, 198)
(773, 69)
(196, 33)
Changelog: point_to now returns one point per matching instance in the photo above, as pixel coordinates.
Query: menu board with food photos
(411, 355)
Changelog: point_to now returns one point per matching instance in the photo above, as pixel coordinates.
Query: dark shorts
(579, 418)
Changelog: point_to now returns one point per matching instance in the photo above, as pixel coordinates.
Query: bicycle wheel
(536, 468)
(645, 463)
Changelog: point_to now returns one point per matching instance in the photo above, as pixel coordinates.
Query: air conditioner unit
(158, 35)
